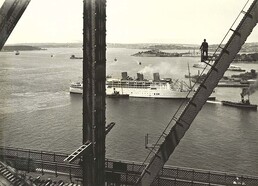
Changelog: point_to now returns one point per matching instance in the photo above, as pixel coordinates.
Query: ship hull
(239, 105)
(148, 93)
(75, 90)
(145, 93)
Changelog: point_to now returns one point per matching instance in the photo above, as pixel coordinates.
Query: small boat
(76, 88)
(17, 53)
(239, 105)
(200, 65)
(243, 104)
(74, 57)
(235, 68)
(116, 94)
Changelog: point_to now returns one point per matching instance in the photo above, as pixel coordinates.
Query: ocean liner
(142, 88)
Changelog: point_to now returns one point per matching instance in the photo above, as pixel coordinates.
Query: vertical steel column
(94, 78)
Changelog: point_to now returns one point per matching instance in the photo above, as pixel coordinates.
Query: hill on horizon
(247, 47)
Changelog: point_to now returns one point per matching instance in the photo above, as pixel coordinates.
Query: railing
(119, 172)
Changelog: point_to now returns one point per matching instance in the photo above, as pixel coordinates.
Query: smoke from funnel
(164, 68)
(251, 89)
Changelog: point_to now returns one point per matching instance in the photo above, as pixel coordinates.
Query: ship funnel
(156, 76)
(124, 75)
(139, 77)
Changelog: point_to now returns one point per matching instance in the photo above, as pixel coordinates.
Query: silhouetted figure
(204, 50)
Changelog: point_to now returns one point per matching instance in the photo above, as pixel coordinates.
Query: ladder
(216, 72)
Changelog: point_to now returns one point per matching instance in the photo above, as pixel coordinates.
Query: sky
(131, 21)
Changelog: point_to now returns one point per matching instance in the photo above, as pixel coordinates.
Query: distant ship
(74, 57)
(235, 68)
(247, 75)
(230, 68)
(141, 88)
(224, 82)
(17, 53)
(191, 54)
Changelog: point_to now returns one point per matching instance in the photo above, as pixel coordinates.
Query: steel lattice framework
(191, 110)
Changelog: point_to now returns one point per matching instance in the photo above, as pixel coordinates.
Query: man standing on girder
(204, 49)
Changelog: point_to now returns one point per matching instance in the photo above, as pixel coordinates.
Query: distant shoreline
(248, 53)
(247, 47)
(13, 48)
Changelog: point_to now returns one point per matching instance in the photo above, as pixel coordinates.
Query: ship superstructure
(166, 88)
(140, 87)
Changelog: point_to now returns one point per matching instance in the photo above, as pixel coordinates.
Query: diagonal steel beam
(217, 71)
(10, 13)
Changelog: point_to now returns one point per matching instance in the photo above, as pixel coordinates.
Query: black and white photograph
(128, 92)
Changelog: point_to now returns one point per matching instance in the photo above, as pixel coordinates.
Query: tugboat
(116, 94)
(74, 57)
(243, 104)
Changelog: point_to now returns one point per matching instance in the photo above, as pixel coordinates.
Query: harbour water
(37, 111)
